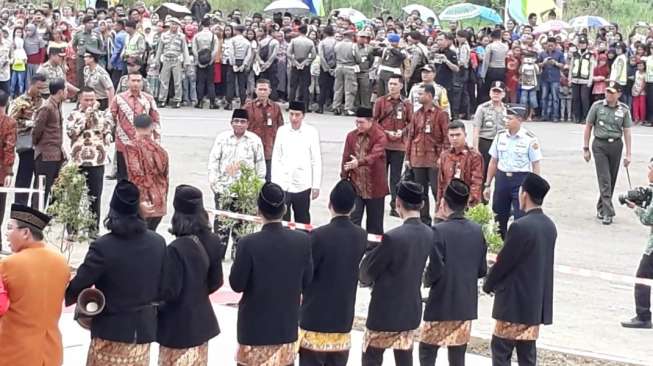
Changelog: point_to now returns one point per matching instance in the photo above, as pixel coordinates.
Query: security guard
(488, 122)
(346, 83)
(515, 152)
(364, 94)
(87, 37)
(610, 120)
(440, 97)
(172, 53)
(391, 59)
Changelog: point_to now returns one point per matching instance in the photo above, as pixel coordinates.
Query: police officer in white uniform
(515, 152)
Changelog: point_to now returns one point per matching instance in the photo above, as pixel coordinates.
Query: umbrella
(172, 9)
(294, 7)
(551, 25)
(354, 15)
(424, 12)
(490, 15)
(459, 12)
(588, 21)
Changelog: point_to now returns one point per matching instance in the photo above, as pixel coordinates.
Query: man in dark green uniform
(84, 38)
(610, 120)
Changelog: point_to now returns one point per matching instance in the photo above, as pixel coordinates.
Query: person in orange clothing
(7, 148)
(35, 278)
(147, 168)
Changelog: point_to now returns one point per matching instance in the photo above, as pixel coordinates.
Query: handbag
(24, 142)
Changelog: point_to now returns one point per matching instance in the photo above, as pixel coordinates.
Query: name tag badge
(601, 123)
(400, 114)
(269, 121)
(489, 124)
(427, 129)
(619, 113)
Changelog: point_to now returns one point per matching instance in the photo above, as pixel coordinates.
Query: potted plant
(483, 215)
(70, 210)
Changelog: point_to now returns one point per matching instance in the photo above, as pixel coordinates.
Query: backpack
(204, 57)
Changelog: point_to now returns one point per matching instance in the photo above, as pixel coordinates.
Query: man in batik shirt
(124, 108)
(147, 168)
(90, 135)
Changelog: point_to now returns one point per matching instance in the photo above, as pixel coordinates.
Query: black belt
(611, 139)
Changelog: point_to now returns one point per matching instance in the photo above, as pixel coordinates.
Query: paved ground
(586, 312)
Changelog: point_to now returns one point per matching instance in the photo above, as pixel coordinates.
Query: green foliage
(483, 215)
(241, 197)
(71, 208)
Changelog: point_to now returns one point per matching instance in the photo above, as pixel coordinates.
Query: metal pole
(42, 204)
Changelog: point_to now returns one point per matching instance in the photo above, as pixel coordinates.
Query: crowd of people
(408, 84)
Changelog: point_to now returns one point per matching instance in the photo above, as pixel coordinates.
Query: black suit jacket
(328, 302)
(271, 269)
(454, 289)
(186, 318)
(395, 269)
(128, 272)
(522, 278)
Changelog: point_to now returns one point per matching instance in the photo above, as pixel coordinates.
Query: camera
(641, 196)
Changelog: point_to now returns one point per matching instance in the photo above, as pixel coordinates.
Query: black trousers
(300, 204)
(374, 357)
(268, 170)
(24, 174)
(326, 81)
(373, 209)
(271, 75)
(428, 178)
(204, 83)
(484, 148)
(502, 352)
(115, 77)
(94, 181)
(394, 162)
(50, 169)
(121, 166)
(460, 97)
(643, 292)
(3, 202)
(236, 80)
(300, 80)
(493, 74)
(580, 101)
(314, 358)
(649, 102)
(607, 158)
(428, 354)
(153, 222)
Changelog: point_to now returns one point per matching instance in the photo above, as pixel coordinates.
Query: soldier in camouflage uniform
(172, 53)
(22, 109)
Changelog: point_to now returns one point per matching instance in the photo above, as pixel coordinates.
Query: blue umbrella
(458, 12)
(490, 15)
(588, 21)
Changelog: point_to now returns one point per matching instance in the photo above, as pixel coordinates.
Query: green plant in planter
(71, 209)
(241, 197)
(483, 215)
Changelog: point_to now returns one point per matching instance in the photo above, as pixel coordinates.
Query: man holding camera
(645, 269)
(610, 120)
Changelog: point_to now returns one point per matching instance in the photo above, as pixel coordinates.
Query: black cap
(239, 114)
(57, 51)
(613, 87)
(343, 196)
(29, 216)
(125, 198)
(410, 192)
(188, 200)
(364, 113)
(518, 110)
(499, 85)
(536, 186)
(296, 106)
(457, 193)
(142, 121)
(271, 199)
(428, 68)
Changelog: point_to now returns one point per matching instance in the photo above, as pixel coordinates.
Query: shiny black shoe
(337, 112)
(161, 105)
(227, 107)
(319, 110)
(176, 105)
(214, 106)
(199, 105)
(637, 323)
(599, 216)
(607, 220)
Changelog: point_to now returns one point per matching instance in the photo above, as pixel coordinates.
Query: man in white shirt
(297, 164)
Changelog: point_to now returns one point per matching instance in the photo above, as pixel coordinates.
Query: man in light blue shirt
(117, 64)
(515, 152)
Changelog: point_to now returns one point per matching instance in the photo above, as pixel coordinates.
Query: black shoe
(227, 107)
(111, 177)
(637, 323)
(162, 104)
(199, 105)
(599, 216)
(607, 220)
(394, 213)
(176, 105)
(319, 110)
(337, 112)
(214, 106)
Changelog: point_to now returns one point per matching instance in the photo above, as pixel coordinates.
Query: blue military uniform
(515, 155)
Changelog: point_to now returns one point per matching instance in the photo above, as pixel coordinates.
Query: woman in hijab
(35, 49)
